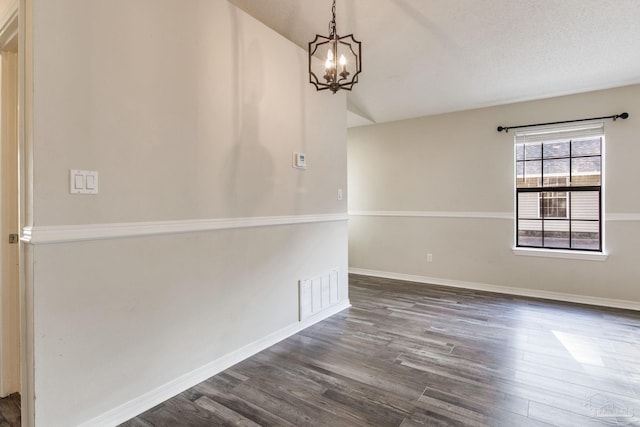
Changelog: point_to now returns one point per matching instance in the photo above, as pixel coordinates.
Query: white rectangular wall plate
(318, 293)
(299, 160)
(83, 182)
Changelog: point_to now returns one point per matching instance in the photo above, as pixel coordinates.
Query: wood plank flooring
(10, 411)
(412, 355)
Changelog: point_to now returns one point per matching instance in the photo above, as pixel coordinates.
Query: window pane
(530, 233)
(556, 149)
(556, 169)
(585, 235)
(553, 204)
(586, 147)
(528, 206)
(520, 182)
(556, 234)
(585, 171)
(555, 181)
(585, 205)
(532, 171)
(533, 151)
(519, 151)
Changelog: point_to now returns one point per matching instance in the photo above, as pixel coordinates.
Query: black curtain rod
(614, 117)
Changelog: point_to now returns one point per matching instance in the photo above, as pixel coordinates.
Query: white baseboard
(524, 292)
(154, 397)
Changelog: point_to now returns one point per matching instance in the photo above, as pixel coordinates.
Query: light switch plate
(83, 182)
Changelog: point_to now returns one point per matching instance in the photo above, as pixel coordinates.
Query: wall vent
(318, 293)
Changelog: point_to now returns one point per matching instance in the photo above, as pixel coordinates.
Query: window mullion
(542, 194)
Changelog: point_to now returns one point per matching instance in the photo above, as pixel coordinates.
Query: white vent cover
(318, 293)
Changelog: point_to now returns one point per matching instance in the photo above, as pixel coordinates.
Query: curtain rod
(614, 117)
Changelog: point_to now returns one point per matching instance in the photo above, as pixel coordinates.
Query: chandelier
(342, 59)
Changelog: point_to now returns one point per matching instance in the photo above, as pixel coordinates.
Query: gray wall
(445, 185)
(190, 111)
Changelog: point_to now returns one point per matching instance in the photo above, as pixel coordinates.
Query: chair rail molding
(435, 214)
(612, 217)
(38, 235)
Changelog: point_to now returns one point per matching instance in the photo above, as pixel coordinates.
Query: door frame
(10, 330)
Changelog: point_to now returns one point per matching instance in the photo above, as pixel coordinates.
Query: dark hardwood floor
(10, 411)
(410, 354)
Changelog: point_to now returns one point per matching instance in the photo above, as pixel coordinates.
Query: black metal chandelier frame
(334, 80)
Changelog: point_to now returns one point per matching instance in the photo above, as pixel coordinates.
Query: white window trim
(562, 132)
(559, 253)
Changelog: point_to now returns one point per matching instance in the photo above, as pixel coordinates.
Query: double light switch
(83, 182)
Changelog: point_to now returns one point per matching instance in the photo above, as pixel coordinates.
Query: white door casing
(9, 204)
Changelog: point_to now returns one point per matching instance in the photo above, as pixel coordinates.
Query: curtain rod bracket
(614, 117)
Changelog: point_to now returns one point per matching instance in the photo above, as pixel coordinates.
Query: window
(559, 188)
(553, 204)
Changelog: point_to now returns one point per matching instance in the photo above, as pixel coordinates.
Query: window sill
(554, 253)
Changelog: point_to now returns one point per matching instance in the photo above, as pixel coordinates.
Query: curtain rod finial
(502, 128)
(624, 115)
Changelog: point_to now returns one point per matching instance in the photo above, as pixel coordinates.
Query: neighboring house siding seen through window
(559, 188)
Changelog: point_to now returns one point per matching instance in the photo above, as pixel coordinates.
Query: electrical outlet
(339, 193)
(429, 257)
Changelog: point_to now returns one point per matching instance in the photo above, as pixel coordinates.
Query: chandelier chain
(332, 24)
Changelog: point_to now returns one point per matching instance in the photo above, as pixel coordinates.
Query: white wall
(455, 174)
(190, 111)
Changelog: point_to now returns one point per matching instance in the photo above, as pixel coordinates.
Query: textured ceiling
(424, 57)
